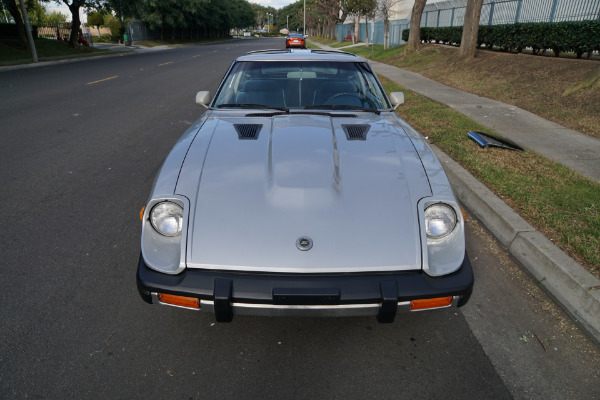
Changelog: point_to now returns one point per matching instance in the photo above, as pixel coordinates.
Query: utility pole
(28, 32)
(304, 28)
(287, 22)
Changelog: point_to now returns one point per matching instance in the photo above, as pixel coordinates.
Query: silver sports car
(300, 191)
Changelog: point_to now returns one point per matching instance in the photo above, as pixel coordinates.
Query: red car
(295, 40)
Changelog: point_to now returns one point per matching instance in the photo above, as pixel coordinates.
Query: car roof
(300, 55)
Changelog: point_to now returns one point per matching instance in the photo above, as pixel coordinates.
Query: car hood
(252, 198)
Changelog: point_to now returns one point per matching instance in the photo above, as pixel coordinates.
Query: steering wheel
(335, 96)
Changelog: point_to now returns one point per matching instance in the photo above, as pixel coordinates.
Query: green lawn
(560, 203)
(13, 52)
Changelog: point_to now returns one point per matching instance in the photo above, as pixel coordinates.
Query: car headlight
(440, 220)
(167, 218)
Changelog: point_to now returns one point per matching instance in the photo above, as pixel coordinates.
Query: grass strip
(562, 90)
(322, 40)
(13, 51)
(560, 203)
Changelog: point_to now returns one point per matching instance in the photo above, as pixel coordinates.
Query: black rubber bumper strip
(225, 288)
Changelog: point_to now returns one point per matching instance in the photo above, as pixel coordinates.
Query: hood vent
(247, 131)
(356, 132)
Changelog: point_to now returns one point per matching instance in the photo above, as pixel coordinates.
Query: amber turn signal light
(424, 304)
(181, 301)
(142, 213)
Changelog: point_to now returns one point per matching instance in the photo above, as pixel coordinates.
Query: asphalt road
(80, 144)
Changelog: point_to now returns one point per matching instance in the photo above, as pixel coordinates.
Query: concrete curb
(575, 289)
(48, 63)
(119, 51)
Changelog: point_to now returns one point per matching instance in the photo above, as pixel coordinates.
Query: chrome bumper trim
(272, 310)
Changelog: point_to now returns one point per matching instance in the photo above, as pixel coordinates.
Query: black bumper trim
(222, 296)
(389, 301)
(225, 288)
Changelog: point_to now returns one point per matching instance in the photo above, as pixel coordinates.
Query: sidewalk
(575, 289)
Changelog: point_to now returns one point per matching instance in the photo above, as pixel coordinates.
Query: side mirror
(203, 98)
(397, 99)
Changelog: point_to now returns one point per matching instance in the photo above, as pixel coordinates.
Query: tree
(36, 12)
(360, 8)
(13, 10)
(468, 43)
(386, 7)
(54, 18)
(295, 13)
(212, 18)
(96, 19)
(240, 14)
(414, 35)
(369, 10)
(74, 6)
(260, 15)
(106, 8)
(332, 12)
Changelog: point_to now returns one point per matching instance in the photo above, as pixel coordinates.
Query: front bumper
(379, 294)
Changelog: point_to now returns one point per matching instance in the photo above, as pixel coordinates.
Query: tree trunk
(386, 32)
(358, 29)
(468, 43)
(75, 24)
(414, 35)
(16, 14)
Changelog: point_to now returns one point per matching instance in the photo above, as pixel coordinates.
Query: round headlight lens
(440, 220)
(167, 218)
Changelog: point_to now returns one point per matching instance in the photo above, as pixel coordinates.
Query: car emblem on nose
(304, 243)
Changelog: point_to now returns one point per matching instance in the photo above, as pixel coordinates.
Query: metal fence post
(553, 11)
(491, 13)
(437, 24)
(426, 18)
(452, 17)
(518, 14)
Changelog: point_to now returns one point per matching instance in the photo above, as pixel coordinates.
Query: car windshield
(301, 84)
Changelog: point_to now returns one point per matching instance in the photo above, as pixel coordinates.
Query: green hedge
(9, 31)
(578, 37)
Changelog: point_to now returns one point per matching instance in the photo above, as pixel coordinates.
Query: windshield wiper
(287, 110)
(343, 107)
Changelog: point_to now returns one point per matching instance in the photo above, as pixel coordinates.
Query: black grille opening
(247, 131)
(356, 132)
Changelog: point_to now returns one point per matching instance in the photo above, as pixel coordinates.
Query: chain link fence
(493, 12)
